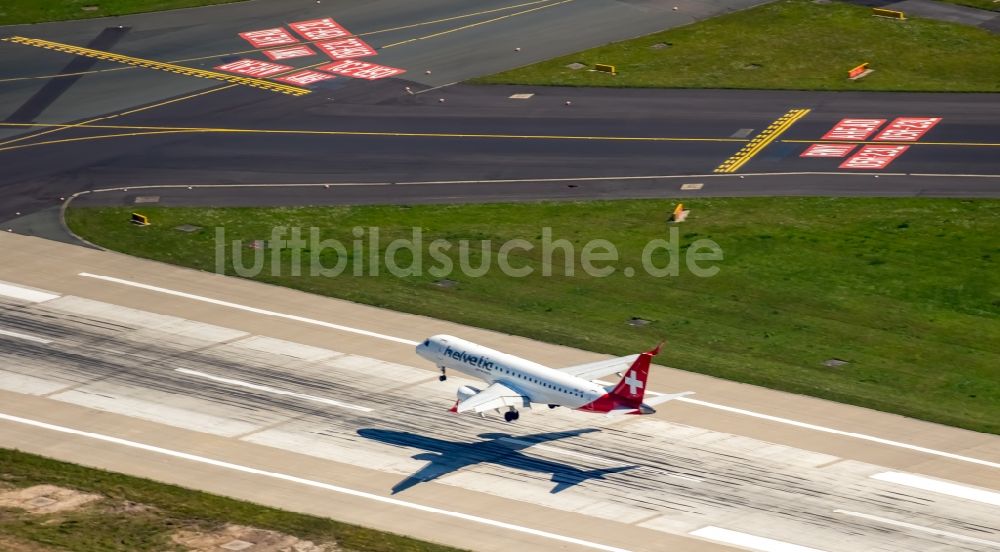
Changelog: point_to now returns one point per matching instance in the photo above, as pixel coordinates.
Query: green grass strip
(906, 290)
(16, 12)
(109, 526)
(788, 44)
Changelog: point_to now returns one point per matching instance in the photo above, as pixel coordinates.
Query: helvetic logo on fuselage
(474, 360)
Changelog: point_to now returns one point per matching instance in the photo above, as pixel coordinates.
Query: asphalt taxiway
(105, 124)
(318, 405)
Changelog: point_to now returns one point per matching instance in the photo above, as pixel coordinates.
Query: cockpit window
(427, 342)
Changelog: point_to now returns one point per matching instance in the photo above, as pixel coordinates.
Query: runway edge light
(140, 220)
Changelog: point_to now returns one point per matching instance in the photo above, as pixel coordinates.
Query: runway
(283, 398)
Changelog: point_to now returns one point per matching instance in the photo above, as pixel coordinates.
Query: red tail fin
(632, 387)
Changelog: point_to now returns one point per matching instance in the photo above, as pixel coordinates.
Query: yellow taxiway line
(155, 129)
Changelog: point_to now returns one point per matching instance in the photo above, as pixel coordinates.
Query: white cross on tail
(633, 383)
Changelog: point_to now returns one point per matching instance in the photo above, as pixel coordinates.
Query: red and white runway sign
(254, 68)
(907, 129)
(266, 38)
(319, 29)
(346, 48)
(290, 52)
(828, 150)
(853, 129)
(305, 78)
(360, 69)
(873, 157)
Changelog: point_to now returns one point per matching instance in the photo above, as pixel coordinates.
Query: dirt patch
(10, 544)
(239, 537)
(46, 499)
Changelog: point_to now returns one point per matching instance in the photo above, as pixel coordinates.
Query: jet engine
(466, 391)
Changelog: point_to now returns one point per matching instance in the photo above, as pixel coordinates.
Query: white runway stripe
(25, 337)
(746, 540)
(311, 483)
(25, 294)
(937, 486)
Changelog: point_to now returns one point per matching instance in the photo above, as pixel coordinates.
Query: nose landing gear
(443, 376)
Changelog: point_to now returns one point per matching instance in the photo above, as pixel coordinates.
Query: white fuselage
(543, 384)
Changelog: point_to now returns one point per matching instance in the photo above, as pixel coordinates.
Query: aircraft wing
(497, 395)
(601, 368)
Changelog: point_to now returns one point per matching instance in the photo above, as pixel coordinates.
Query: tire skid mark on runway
(698, 402)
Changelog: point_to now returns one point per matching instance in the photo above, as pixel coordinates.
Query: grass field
(117, 524)
(788, 44)
(906, 290)
(992, 5)
(14, 12)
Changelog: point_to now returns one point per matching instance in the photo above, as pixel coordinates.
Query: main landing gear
(511, 415)
(443, 376)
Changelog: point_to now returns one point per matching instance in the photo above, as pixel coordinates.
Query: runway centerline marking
(761, 141)
(916, 527)
(272, 390)
(937, 486)
(25, 337)
(309, 483)
(376, 335)
(158, 65)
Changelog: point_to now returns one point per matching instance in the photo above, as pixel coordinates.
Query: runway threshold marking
(157, 65)
(761, 141)
(376, 335)
(310, 483)
(915, 527)
(272, 390)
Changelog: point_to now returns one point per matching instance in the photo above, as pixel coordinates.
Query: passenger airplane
(516, 382)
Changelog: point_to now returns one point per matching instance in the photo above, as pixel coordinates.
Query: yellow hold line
(761, 141)
(129, 60)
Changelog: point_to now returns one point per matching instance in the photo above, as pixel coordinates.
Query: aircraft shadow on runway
(501, 449)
